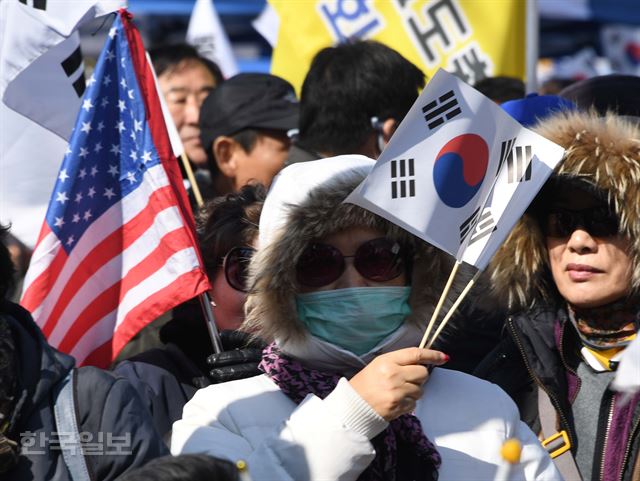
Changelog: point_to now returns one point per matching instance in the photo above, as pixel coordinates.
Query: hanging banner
(468, 38)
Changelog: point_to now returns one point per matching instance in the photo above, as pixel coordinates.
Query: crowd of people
(321, 304)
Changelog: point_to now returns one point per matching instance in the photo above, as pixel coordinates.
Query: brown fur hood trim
(270, 306)
(603, 151)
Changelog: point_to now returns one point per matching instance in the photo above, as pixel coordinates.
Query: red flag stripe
(105, 251)
(104, 302)
(190, 283)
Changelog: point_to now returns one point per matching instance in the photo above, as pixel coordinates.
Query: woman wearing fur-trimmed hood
(344, 294)
(570, 275)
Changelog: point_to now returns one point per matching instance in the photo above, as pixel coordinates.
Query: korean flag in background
(462, 170)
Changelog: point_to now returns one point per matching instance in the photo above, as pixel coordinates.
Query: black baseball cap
(248, 100)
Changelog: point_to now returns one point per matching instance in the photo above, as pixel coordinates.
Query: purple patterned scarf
(403, 452)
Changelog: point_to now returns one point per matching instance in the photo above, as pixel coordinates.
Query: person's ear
(224, 149)
(389, 126)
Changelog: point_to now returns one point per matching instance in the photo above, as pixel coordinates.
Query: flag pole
(192, 179)
(206, 303)
(176, 146)
(532, 40)
(443, 296)
(455, 305)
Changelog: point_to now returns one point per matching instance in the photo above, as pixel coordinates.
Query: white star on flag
(86, 127)
(76, 218)
(63, 175)
(131, 177)
(61, 197)
(59, 222)
(87, 105)
(108, 193)
(83, 152)
(146, 157)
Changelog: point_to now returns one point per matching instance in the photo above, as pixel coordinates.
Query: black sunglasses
(378, 260)
(236, 267)
(597, 221)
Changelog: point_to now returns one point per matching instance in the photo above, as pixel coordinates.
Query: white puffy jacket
(251, 419)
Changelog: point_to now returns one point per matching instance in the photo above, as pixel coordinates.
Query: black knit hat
(248, 100)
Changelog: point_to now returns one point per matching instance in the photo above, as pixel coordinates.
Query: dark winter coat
(540, 349)
(108, 411)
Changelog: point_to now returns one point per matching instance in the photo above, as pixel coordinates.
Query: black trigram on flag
(482, 227)
(403, 182)
(518, 160)
(443, 108)
(39, 4)
(71, 65)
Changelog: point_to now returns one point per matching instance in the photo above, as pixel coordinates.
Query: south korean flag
(458, 172)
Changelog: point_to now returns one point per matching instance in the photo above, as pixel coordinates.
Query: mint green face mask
(357, 318)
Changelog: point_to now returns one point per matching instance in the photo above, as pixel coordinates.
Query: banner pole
(531, 44)
(455, 305)
(443, 296)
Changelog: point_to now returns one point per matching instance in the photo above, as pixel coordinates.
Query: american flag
(117, 247)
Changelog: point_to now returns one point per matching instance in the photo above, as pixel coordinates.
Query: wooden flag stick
(443, 296)
(192, 179)
(455, 305)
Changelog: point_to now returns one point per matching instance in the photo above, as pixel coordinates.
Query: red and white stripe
(132, 264)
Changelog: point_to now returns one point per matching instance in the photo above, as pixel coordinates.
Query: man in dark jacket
(51, 412)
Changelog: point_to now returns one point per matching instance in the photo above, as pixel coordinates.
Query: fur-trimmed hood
(306, 203)
(601, 151)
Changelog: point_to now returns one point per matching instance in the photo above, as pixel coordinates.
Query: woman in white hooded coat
(344, 294)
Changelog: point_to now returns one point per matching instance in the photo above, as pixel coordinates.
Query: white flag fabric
(628, 374)
(41, 70)
(458, 172)
(207, 35)
(41, 83)
(267, 24)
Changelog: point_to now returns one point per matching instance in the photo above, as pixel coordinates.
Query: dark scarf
(403, 452)
(605, 327)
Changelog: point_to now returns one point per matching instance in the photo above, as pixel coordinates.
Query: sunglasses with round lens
(236, 267)
(597, 221)
(377, 260)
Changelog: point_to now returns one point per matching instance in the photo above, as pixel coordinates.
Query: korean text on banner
(117, 247)
(458, 172)
(469, 38)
